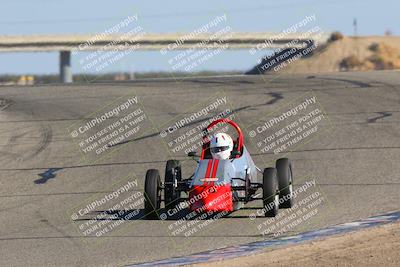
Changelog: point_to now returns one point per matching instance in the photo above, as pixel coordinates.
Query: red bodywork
(210, 196)
(206, 198)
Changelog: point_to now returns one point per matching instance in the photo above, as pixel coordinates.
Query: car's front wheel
(152, 194)
(173, 175)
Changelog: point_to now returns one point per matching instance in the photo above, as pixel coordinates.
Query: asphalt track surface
(43, 177)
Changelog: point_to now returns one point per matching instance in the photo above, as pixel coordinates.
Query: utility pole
(355, 26)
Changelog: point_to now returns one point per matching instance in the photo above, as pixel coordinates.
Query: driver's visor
(218, 149)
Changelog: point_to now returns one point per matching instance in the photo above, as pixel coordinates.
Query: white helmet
(221, 146)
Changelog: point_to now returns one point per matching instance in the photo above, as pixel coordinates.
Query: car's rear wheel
(270, 192)
(285, 180)
(152, 194)
(173, 175)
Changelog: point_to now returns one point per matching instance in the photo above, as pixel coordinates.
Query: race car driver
(221, 146)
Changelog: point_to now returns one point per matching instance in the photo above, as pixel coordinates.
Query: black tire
(173, 175)
(270, 192)
(152, 194)
(285, 180)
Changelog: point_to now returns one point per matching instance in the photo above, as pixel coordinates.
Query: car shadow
(162, 214)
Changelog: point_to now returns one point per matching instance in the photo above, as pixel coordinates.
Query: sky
(30, 17)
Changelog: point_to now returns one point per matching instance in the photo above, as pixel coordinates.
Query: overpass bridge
(164, 42)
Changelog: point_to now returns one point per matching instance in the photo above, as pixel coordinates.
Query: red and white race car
(220, 185)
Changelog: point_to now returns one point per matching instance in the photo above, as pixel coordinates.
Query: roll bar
(234, 125)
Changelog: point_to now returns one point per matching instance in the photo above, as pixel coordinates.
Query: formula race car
(220, 185)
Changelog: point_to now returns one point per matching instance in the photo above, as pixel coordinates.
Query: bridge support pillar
(65, 67)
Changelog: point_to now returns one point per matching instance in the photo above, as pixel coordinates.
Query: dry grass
(352, 53)
(384, 57)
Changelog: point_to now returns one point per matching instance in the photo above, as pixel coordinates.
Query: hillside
(351, 53)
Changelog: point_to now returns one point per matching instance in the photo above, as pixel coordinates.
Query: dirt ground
(329, 59)
(370, 247)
